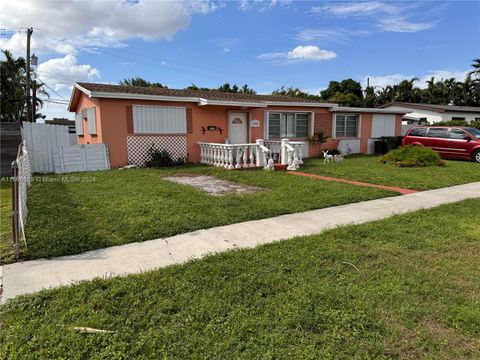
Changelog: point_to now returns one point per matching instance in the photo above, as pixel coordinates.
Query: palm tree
(12, 88)
(476, 68)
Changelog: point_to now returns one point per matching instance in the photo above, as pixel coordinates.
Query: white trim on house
(300, 104)
(312, 125)
(266, 115)
(280, 111)
(203, 102)
(364, 110)
(82, 89)
(359, 125)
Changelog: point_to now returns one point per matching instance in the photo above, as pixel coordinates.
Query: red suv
(449, 142)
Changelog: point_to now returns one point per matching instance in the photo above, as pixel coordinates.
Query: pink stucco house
(199, 124)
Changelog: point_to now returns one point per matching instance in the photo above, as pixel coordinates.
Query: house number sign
(255, 123)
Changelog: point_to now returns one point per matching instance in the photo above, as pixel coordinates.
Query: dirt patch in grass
(212, 185)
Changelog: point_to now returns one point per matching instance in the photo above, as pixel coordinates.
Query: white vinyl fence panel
(41, 140)
(159, 119)
(75, 158)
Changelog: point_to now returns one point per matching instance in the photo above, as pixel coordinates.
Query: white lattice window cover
(138, 146)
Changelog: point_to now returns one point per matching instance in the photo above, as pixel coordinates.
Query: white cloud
(62, 73)
(459, 75)
(391, 79)
(69, 27)
(298, 54)
(355, 8)
(226, 50)
(385, 16)
(310, 52)
(384, 80)
(328, 34)
(261, 5)
(66, 27)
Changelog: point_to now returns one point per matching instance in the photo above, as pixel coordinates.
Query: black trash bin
(380, 147)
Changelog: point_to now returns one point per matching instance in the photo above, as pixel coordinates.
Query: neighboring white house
(427, 113)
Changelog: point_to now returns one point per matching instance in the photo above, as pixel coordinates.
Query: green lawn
(405, 287)
(6, 246)
(122, 206)
(369, 169)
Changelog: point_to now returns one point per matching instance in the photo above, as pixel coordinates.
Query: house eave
(365, 110)
(300, 104)
(204, 102)
(73, 96)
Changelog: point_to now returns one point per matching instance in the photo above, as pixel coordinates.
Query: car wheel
(476, 156)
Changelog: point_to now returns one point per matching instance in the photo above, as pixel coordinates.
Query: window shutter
(79, 123)
(149, 119)
(189, 121)
(92, 121)
(129, 116)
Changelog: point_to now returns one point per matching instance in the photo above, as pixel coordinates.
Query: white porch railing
(258, 154)
(229, 156)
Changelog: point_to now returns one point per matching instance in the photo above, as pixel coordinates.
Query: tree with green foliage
(370, 98)
(347, 92)
(476, 69)
(12, 89)
(245, 89)
(295, 92)
(138, 81)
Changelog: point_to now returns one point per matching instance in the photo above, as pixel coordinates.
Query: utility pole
(27, 85)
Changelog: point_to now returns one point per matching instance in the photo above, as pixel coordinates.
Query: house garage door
(383, 125)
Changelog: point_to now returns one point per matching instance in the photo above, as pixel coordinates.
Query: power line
(63, 97)
(175, 66)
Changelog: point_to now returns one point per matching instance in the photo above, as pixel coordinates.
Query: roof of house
(201, 96)
(60, 122)
(433, 107)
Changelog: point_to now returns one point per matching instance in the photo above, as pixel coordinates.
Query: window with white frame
(346, 125)
(287, 125)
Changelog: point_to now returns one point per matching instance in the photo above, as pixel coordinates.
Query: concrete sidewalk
(31, 276)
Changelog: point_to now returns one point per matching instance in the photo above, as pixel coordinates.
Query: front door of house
(237, 128)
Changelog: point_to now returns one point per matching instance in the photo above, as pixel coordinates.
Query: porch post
(259, 152)
(284, 152)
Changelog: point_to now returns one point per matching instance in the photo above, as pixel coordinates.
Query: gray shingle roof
(209, 95)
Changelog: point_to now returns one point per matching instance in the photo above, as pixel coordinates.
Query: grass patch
(404, 287)
(7, 253)
(370, 169)
(122, 206)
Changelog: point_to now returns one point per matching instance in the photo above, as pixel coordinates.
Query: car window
(437, 132)
(457, 134)
(418, 132)
(474, 132)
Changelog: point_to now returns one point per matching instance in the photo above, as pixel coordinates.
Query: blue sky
(265, 44)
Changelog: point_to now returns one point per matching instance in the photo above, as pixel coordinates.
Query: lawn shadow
(57, 224)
